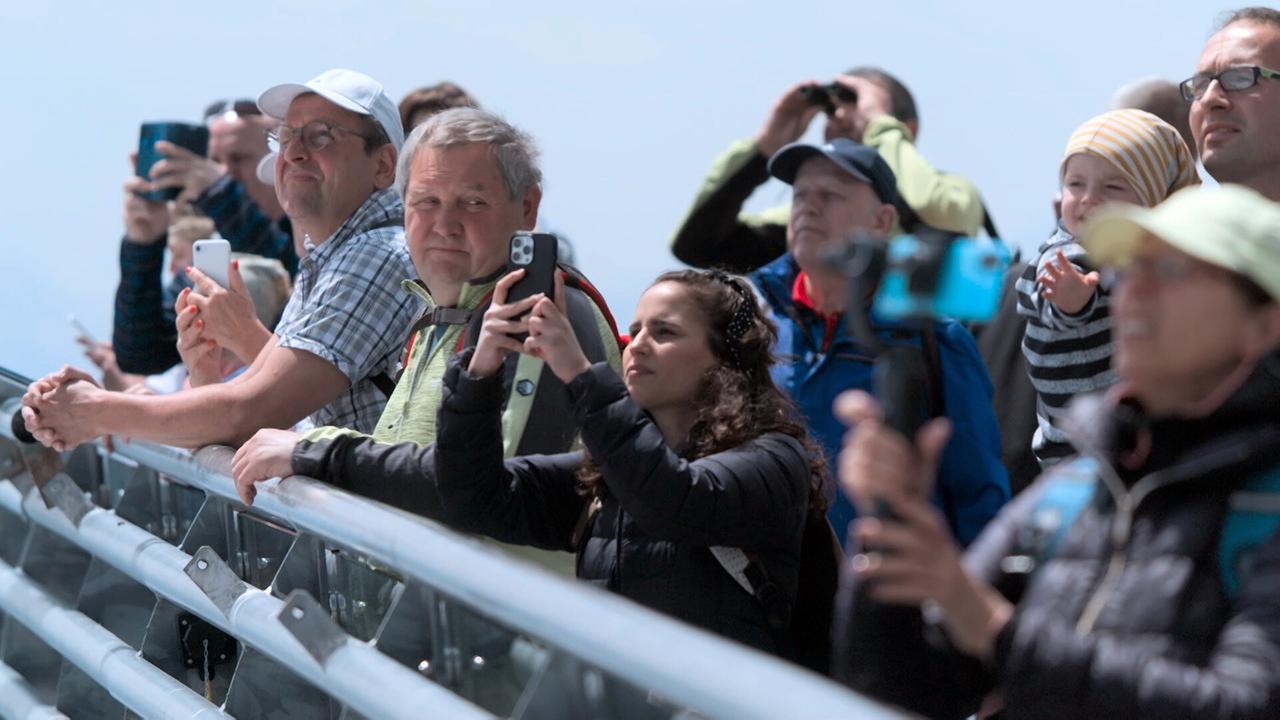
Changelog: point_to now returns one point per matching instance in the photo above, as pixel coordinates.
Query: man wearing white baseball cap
(341, 332)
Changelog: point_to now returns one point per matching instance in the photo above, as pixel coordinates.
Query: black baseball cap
(860, 161)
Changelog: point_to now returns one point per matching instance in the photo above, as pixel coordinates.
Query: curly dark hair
(737, 400)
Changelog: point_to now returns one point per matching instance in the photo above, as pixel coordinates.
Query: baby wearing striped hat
(1126, 156)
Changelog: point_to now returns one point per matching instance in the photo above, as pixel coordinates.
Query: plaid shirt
(347, 307)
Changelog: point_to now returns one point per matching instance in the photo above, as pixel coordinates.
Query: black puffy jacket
(649, 538)
(1129, 618)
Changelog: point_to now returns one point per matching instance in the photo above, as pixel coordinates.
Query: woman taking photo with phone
(693, 447)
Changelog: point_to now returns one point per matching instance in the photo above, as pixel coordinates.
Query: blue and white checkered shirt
(347, 307)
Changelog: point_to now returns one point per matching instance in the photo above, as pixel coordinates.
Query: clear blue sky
(630, 106)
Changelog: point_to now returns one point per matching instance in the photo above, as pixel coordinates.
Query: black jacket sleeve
(401, 475)
(526, 500)
(713, 234)
(753, 496)
(143, 334)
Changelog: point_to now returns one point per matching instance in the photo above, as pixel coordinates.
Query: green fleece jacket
(716, 233)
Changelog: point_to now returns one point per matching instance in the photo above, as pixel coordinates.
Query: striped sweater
(1067, 355)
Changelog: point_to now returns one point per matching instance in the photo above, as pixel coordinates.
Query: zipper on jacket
(1127, 502)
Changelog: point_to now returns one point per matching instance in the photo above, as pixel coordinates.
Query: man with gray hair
(469, 180)
(337, 142)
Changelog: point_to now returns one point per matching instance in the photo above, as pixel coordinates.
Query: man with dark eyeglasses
(866, 105)
(342, 330)
(1235, 101)
(225, 187)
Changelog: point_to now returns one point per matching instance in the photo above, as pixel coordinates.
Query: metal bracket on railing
(44, 465)
(62, 493)
(310, 624)
(215, 579)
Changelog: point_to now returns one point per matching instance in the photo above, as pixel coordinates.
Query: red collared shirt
(830, 322)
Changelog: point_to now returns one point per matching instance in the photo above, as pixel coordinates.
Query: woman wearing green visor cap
(1140, 580)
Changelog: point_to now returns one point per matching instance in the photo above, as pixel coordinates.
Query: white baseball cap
(347, 89)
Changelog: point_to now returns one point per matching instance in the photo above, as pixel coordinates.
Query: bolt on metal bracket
(309, 623)
(215, 579)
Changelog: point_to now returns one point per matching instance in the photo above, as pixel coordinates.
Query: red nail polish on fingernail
(188, 269)
(235, 264)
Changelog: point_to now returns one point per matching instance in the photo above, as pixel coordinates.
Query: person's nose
(639, 344)
(447, 221)
(1215, 96)
(295, 150)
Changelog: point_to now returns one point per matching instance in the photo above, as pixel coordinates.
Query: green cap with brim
(1230, 226)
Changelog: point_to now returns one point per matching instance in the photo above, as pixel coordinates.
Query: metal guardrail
(163, 596)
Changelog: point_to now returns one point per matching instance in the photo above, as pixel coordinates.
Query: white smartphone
(213, 258)
(80, 328)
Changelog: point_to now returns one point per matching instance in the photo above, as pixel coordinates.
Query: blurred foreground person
(1141, 580)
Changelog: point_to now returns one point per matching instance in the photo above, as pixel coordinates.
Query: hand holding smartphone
(186, 135)
(535, 253)
(213, 258)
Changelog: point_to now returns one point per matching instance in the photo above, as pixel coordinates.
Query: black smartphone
(186, 135)
(535, 253)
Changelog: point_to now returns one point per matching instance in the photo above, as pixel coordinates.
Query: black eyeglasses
(1241, 77)
(243, 106)
(316, 135)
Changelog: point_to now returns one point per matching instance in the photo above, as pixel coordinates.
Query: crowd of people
(1085, 525)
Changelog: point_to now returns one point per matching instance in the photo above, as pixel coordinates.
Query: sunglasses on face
(1241, 77)
(243, 106)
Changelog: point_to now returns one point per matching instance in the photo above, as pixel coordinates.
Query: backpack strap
(1065, 492)
(748, 571)
(1253, 516)
(434, 315)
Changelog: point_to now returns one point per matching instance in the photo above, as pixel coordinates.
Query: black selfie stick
(898, 377)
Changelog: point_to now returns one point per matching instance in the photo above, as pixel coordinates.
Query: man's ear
(1264, 339)
(886, 218)
(529, 207)
(384, 175)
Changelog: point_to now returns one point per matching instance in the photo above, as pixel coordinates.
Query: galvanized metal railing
(134, 583)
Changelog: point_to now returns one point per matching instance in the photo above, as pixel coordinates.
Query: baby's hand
(1065, 286)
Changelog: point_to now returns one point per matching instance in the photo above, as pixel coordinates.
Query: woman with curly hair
(693, 449)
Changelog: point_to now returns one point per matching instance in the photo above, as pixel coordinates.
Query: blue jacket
(972, 484)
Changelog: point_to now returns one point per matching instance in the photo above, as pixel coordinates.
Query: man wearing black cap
(839, 188)
(866, 105)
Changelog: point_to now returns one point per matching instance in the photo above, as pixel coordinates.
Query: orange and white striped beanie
(1148, 151)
